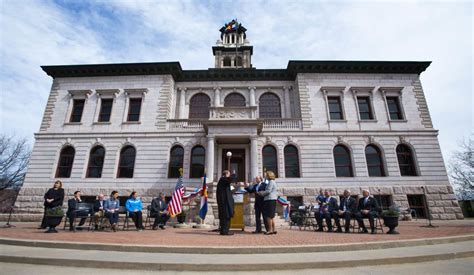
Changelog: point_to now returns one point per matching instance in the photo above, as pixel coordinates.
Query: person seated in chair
(347, 208)
(98, 210)
(327, 206)
(368, 208)
(73, 211)
(134, 209)
(159, 211)
(111, 207)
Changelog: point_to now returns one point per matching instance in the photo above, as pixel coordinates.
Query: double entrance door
(236, 162)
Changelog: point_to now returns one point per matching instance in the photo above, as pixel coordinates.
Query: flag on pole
(176, 205)
(203, 209)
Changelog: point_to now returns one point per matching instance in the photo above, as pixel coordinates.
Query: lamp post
(229, 155)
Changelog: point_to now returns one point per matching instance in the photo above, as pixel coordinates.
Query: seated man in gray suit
(159, 210)
(347, 209)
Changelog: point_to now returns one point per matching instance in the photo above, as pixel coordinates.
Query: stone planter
(53, 221)
(391, 222)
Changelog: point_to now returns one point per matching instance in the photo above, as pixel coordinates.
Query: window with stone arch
(270, 159)
(269, 106)
(199, 106)
(292, 163)
(126, 165)
(234, 100)
(342, 161)
(176, 161)
(198, 161)
(227, 61)
(406, 162)
(373, 157)
(96, 162)
(66, 159)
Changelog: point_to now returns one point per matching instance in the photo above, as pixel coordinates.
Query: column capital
(217, 88)
(253, 137)
(182, 89)
(209, 138)
(286, 88)
(252, 88)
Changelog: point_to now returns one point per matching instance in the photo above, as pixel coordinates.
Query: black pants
(43, 221)
(72, 217)
(258, 216)
(224, 225)
(347, 215)
(113, 217)
(371, 216)
(137, 219)
(324, 215)
(160, 219)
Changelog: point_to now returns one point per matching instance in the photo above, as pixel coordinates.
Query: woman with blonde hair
(269, 203)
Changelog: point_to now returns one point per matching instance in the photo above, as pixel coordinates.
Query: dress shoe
(268, 233)
(257, 232)
(162, 227)
(339, 230)
(227, 234)
(364, 231)
(320, 230)
(372, 231)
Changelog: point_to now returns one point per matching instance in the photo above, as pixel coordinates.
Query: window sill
(73, 123)
(398, 120)
(131, 122)
(102, 123)
(337, 120)
(368, 120)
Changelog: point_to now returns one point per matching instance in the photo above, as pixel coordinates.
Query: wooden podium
(237, 222)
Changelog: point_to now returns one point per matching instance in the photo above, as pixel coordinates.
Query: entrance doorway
(237, 162)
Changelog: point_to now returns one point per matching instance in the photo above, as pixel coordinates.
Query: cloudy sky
(34, 33)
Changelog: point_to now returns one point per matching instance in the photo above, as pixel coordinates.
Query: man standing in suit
(258, 206)
(327, 206)
(368, 208)
(73, 211)
(159, 210)
(347, 209)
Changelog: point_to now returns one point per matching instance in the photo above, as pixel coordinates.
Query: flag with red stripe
(176, 205)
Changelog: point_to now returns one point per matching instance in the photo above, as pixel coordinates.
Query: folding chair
(148, 217)
(83, 211)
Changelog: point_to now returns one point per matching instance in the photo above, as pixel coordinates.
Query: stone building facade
(319, 124)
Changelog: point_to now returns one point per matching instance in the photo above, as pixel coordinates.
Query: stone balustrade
(185, 124)
(282, 124)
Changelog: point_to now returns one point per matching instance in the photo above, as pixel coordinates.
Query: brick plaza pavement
(202, 237)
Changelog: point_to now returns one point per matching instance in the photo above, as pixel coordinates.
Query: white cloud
(36, 33)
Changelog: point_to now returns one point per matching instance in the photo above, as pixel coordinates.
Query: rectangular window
(335, 108)
(365, 109)
(77, 108)
(417, 205)
(134, 109)
(105, 110)
(394, 108)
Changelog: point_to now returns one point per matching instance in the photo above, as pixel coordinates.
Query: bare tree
(461, 170)
(14, 157)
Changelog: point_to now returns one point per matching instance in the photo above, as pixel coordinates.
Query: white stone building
(318, 124)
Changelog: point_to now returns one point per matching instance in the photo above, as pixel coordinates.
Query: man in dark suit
(98, 210)
(73, 211)
(326, 207)
(159, 210)
(258, 206)
(347, 208)
(368, 208)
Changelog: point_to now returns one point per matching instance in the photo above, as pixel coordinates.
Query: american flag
(176, 205)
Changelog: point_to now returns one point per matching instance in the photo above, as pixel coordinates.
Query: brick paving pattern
(202, 237)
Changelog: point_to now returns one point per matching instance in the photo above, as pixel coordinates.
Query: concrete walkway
(237, 262)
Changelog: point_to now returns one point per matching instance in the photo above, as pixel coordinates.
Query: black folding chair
(148, 217)
(83, 211)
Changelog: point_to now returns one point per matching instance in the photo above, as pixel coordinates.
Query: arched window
(176, 161)
(96, 162)
(238, 59)
(199, 106)
(342, 161)
(126, 162)
(270, 160)
(406, 161)
(292, 163)
(234, 100)
(373, 157)
(227, 61)
(269, 106)
(66, 159)
(198, 160)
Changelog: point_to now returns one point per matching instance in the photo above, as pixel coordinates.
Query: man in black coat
(326, 207)
(347, 208)
(225, 203)
(258, 206)
(98, 210)
(159, 210)
(368, 208)
(73, 211)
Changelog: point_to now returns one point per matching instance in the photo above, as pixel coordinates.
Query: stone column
(287, 102)
(210, 159)
(182, 102)
(253, 157)
(217, 96)
(252, 96)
